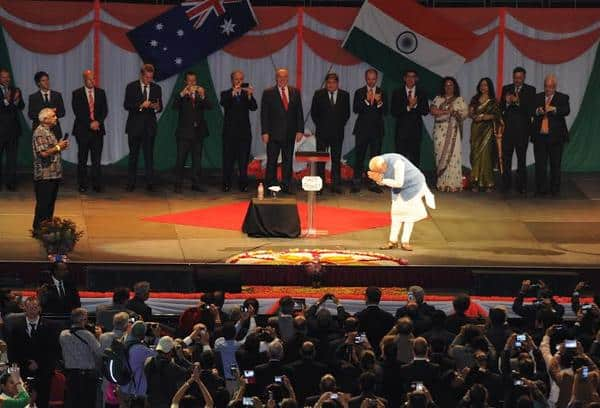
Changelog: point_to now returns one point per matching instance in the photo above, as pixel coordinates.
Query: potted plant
(58, 236)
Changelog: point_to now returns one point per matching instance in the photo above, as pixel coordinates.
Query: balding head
(307, 350)
(377, 164)
(282, 77)
(550, 83)
(275, 350)
(420, 347)
(88, 78)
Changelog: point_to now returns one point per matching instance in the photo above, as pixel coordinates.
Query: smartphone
(518, 344)
(278, 379)
(518, 382)
(411, 297)
(334, 396)
(245, 85)
(249, 376)
(419, 386)
(132, 320)
(586, 307)
(247, 402)
(521, 337)
(559, 327)
(585, 371)
(361, 338)
(570, 344)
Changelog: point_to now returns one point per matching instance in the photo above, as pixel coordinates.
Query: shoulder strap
(74, 333)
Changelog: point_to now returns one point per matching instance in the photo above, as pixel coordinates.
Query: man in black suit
(266, 373)
(550, 135)
(306, 372)
(330, 110)
(191, 130)
(90, 109)
(409, 105)
(367, 382)
(420, 369)
(370, 105)
(517, 104)
(58, 294)
(237, 103)
(373, 320)
(33, 345)
(11, 102)
(143, 100)
(282, 123)
(45, 98)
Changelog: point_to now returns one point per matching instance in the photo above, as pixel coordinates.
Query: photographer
(181, 399)
(586, 380)
(81, 352)
(470, 340)
(417, 309)
(544, 302)
(208, 312)
(163, 374)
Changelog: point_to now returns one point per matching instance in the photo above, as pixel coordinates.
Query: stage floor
(486, 229)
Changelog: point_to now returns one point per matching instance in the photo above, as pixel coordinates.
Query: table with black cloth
(272, 217)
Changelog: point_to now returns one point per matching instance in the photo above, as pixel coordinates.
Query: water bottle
(261, 191)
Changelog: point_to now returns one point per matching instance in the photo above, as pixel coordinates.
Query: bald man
(408, 188)
(550, 135)
(282, 123)
(90, 110)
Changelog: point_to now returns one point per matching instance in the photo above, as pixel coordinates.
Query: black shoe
(98, 189)
(243, 189)
(355, 189)
(82, 189)
(375, 189)
(226, 188)
(198, 188)
(150, 188)
(130, 188)
(336, 190)
(177, 189)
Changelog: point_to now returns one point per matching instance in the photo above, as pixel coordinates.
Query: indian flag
(393, 34)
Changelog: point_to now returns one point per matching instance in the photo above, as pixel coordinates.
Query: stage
(467, 229)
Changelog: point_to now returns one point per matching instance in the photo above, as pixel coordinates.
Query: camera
(585, 372)
(249, 376)
(518, 382)
(361, 338)
(244, 309)
(417, 386)
(277, 379)
(247, 402)
(571, 344)
(411, 297)
(205, 306)
(334, 396)
(521, 337)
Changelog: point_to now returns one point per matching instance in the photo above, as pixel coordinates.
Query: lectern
(311, 184)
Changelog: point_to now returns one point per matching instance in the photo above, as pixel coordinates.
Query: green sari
(483, 138)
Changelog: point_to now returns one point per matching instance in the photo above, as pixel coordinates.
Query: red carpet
(334, 220)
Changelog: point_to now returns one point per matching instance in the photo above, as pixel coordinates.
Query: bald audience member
(550, 135)
(90, 109)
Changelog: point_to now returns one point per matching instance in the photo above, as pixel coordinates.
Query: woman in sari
(449, 110)
(486, 126)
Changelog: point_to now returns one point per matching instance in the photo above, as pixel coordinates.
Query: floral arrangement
(58, 235)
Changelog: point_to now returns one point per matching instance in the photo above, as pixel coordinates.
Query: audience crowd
(302, 355)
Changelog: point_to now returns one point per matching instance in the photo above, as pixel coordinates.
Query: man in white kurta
(409, 188)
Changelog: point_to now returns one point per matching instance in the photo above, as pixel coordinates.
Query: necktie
(193, 96)
(331, 98)
(371, 96)
(91, 103)
(46, 99)
(32, 329)
(146, 94)
(409, 93)
(60, 288)
(545, 128)
(284, 99)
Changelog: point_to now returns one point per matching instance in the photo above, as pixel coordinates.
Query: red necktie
(284, 99)
(91, 104)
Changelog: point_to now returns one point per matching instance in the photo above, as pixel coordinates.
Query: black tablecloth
(272, 218)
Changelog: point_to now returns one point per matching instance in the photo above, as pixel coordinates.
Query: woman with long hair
(485, 128)
(449, 110)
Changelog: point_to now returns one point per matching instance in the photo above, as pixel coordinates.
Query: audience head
(79, 317)
(404, 326)
(308, 351)
(478, 395)
(42, 80)
(373, 293)
(147, 73)
(207, 359)
(165, 345)
(418, 293)
(420, 347)
(142, 290)
(229, 330)
(138, 331)
(350, 324)
(390, 351)
(327, 384)
(9, 385)
(367, 382)
(4, 77)
(461, 303)
(497, 316)
(32, 307)
(275, 350)
(286, 305)
(121, 295)
(121, 321)
(300, 324)
(252, 302)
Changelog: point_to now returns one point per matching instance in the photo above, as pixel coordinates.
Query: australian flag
(184, 35)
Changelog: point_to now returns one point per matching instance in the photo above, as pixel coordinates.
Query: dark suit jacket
(420, 371)
(52, 303)
(140, 307)
(138, 120)
(330, 120)
(236, 122)
(305, 376)
(370, 117)
(376, 323)
(106, 312)
(558, 132)
(9, 116)
(81, 110)
(279, 124)
(191, 123)
(36, 104)
(517, 118)
(265, 374)
(409, 124)
(43, 347)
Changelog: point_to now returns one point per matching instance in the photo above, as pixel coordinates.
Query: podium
(312, 158)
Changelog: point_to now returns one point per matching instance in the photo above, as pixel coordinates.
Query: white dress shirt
(335, 93)
(35, 322)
